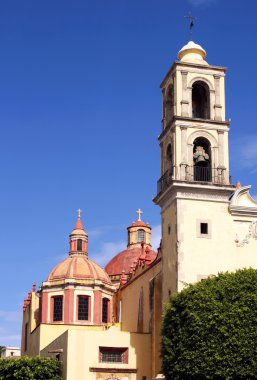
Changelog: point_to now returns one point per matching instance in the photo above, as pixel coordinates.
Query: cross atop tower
(139, 212)
(79, 211)
(191, 20)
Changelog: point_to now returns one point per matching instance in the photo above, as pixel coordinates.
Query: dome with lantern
(77, 265)
(77, 288)
(139, 245)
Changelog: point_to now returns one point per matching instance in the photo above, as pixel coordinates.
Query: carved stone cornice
(241, 203)
(193, 67)
(194, 191)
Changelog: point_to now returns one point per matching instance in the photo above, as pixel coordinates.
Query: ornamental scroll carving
(252, 233)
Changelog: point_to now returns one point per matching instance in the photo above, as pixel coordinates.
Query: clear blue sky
(80, 112)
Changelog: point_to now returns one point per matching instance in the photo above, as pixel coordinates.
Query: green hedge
(210, 329)
(27, 368)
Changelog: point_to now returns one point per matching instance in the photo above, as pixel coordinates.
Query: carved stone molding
(252, 233)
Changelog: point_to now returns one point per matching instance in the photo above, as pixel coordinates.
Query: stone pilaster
(217, 105)
(184, 101)
(183, 144)
(221, 147)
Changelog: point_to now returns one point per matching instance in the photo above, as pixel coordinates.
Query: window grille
(113, 355)
(83, 302)
(105, 303)
(57, 309)
(79, 245)
(140, 236)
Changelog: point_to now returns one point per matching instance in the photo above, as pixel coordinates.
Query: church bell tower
(194, 185)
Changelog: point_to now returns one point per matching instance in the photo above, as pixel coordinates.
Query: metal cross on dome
(79, 211)
(139, 212)
(191, 20)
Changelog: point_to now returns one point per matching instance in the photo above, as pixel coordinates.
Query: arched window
(169, 104)
(200, 100)
(79, 245)
(140, 236)
(202, 160)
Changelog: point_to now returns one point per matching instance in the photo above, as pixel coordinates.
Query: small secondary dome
(122, 261)
(192, 53)
(139, 244)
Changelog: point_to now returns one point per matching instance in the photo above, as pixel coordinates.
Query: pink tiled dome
(78, 267)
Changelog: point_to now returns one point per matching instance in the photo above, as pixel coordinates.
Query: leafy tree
(27, 368)
(1, 350)
(210, 329)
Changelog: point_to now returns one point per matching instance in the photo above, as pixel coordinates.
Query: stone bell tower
(194, 187)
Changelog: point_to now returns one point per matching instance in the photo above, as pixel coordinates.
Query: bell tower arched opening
(202, 160)
(169, 104)
(168, 159)
(200, 100)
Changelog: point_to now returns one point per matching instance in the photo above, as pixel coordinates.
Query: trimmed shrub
(27, 368)
(210, 329)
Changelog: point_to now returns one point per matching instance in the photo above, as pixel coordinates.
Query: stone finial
(142, 256)
(238, 185)
(135, 263)
(123, 278)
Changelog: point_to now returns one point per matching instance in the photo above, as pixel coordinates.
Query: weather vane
(191, 20)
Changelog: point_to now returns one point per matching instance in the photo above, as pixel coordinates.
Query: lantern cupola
(78, 238)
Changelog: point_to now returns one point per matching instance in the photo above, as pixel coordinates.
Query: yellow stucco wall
(169, 251)
(156, 363)
(129, 297)
(44, 334)
(31, 318)
(150, 319)
(81, 353)
(59, 346)
(200, 256)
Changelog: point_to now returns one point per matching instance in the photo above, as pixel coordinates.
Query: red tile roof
(123, 260)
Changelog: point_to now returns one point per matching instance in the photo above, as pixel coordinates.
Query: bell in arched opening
(200, 100)
(202, 160)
